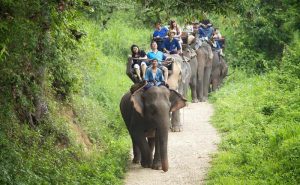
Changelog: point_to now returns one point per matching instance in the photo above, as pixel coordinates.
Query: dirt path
(188, 152)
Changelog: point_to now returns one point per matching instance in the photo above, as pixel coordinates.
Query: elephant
(178, 80)
(191, 54)
(146, 115)
(219, 71)
(186, 72)
(202, 72)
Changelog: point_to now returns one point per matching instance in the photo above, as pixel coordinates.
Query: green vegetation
(259, 118)
(60, 90)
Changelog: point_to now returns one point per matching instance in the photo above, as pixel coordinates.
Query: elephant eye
(152, 110)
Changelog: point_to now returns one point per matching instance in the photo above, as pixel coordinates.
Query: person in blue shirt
(159, 35)
(160, 56)
(171, 45)
(154, 75)
(205, 30)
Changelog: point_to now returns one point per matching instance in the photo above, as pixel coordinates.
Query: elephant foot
(176, 129)
(135, 161)
(195, 101)
(146, 164)
(203, 99)
(156, 166)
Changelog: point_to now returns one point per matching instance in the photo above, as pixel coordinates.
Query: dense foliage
(59, 93)
(259, 37)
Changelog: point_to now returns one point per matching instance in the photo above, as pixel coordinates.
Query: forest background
(62, 73)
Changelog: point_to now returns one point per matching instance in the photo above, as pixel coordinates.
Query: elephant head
(154, 106)
(157, 98)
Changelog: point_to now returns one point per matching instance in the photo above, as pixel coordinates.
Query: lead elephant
(146, 115)
(219, 71)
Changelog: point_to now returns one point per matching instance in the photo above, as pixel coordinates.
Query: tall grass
(259, 119)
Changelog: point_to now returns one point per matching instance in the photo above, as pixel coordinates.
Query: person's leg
(165, 71)
(137, 71)
(220, 48)
(143, 67)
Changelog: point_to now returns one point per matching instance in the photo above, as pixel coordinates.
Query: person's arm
(200, 32)
(166, 32)
(143, 55)
(155, 34)
(164, 57)
(148, 55)
(147, 75)
(179, 32)
(164, 46)
(211, 31)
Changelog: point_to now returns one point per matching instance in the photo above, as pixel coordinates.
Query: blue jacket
(161, 33)
(158, 77)
(205, 32)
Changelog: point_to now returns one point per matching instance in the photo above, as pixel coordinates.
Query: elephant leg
(215, 84)
(200, 75)
(151, 142)
(136, 153)
(157, 159)
(143, 145)
(175, 121)
(206, 80)
(185, 89)
(193, 90)
(200, 90)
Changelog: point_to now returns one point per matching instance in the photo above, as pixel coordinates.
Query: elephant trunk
(163, 143)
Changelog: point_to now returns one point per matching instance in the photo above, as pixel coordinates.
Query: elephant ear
(177, 100)
(137, 101)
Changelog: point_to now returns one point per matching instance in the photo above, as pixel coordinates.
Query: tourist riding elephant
(178, 80)
(146, 115)
(219, 71)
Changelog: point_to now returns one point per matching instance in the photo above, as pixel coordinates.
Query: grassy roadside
(258, 117)
(83, 140)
